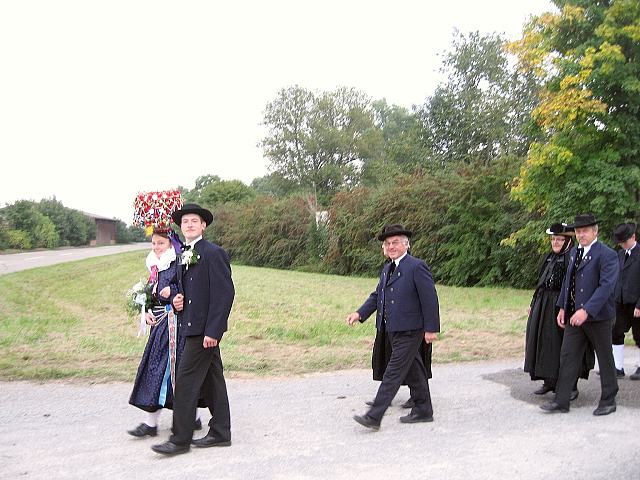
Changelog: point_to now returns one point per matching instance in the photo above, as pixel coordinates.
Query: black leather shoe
(574, 395)
(408, 404)
(197, 425)
(635, 376)
(604, 410)
(170, 448)
(366, 421)
(210, 441)
(553, 407)
(143, 430)
(416, 418)
(369, 402)
(543, 390)
(619, 373)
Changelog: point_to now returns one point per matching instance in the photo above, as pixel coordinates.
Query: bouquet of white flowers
(138, 301)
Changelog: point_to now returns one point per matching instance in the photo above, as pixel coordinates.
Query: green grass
(68, 321)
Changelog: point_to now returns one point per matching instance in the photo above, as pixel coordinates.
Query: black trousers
(574, 344)
(200, 373)
(405, 365)
(625, 321)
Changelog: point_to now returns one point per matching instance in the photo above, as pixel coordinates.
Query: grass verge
(68, 321)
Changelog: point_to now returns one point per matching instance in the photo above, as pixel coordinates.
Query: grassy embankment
(68, 321)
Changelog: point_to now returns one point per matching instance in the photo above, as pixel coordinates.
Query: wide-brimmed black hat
(392, 230)
(584, 221)
(560, 229)
(623, 232)
(205, 214)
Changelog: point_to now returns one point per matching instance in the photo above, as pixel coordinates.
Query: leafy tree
(482, 110)
(225, 191)
(202, 182)
(318, 140)
(588, 57)
(274, 185)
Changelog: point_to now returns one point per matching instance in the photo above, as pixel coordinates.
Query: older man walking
(407, 308)
(587, 313)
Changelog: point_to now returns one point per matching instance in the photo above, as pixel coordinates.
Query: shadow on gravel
(521, 388)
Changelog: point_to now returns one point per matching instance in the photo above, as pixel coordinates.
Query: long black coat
(544, 336)
(628, 285)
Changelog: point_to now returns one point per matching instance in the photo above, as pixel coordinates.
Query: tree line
(517, 136)
(27, 224)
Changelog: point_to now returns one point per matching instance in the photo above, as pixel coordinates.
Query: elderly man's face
(586, 235)
(395, 246)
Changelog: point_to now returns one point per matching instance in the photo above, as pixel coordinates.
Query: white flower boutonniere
(189, 257)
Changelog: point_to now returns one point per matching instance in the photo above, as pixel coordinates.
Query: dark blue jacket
(595, 283)
(410, 298)
(208, 293)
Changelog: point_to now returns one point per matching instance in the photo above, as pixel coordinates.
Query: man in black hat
(587, 313)
(407, 308)
(204, 305)
(627, 295)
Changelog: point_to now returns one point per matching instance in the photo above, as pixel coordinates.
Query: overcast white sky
(101, 100)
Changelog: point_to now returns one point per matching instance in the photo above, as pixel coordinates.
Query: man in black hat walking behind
(204, 305)
(407, 308)
(587, 313)
(627, 295)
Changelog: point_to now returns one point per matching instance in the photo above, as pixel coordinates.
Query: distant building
(105, 230)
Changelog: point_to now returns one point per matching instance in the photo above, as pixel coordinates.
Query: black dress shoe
(544, 389)
(197, 425)
(416, 418)
(635, 376)
(574, 395)
(367, 421)
(408, 404)
(604, 410)
(143, 430)
(369, 402)
(170, 448)
(553, 407)
(210, 441)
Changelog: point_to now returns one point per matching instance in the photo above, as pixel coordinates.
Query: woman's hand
(165, 292)
(149, 318)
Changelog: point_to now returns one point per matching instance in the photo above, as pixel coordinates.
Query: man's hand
(178, 302)
(430, 337)
(209, 342)
(579, 317)
(636, 312)
(353, 318)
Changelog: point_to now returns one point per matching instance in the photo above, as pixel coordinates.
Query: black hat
(623, 232)
(392, 230)
(205, 214)
(560, 229)
(584, 221)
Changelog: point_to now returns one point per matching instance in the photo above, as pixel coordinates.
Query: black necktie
(627, 254)
(391, 270)
(579, 256)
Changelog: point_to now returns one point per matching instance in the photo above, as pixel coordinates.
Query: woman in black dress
(544, 336)
(154, 384)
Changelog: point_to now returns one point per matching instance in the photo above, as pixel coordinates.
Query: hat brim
(581, 225)
(205, 214)
(395, 233)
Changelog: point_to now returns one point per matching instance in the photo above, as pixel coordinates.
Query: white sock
(152, 418)
(197, 414)
(618, 356)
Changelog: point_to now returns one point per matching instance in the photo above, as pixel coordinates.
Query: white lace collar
(163, 262)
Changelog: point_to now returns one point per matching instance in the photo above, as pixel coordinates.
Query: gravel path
(487, 426)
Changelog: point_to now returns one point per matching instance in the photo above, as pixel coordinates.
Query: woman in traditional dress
(544, 336)
(154, 384)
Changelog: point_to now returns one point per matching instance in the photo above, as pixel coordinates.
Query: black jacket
(628, 285)
(208, 293)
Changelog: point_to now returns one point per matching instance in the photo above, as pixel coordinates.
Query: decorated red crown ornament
(152, 210)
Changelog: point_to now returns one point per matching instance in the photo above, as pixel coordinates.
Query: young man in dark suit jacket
(587, 313)
(627, 295)
(407, 308)
(204, 306)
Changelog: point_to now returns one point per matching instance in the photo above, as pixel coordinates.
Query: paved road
(23, 261)
(487, 426)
